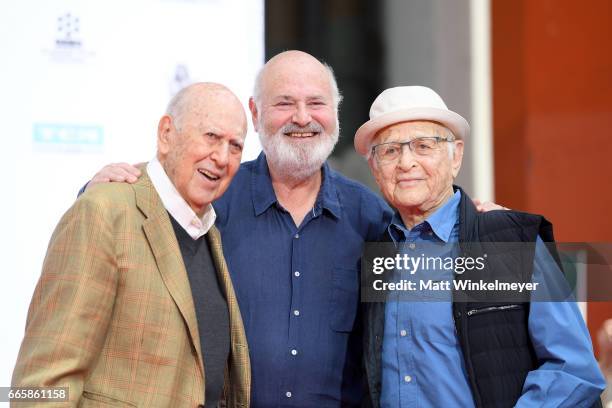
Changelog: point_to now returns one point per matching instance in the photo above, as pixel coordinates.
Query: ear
(254, 113)
(164, 135)
(457, 157)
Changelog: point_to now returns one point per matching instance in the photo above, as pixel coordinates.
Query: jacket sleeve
(568, 374)
(72, 304)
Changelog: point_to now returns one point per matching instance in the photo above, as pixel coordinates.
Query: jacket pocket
(344, 299)
(94, 399)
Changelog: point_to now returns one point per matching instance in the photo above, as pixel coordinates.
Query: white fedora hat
(403, 104)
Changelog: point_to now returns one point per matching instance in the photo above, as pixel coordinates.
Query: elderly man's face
(413, 183)
(202, 157)
(296, 116)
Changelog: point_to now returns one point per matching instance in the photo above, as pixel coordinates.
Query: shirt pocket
(434, 322)
(344, 298)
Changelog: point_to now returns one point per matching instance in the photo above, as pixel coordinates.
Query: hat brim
(453, 121)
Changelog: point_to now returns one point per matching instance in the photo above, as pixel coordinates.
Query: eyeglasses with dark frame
(421, 146)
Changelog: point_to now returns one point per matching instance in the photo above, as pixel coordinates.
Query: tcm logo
(68, 31)
(67, 45)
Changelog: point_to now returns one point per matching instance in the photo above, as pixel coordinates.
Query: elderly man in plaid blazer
(135, 306)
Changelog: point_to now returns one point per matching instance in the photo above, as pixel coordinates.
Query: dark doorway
(344, 33)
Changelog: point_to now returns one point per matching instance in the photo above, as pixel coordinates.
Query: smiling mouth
(409, 181)
(209, 175)
(301, 135)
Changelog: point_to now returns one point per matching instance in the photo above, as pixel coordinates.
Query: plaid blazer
(112, 316)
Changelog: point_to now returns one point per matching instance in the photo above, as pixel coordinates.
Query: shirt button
(288, 394)
(294, 352)
(296, 312)
(411, 246)
(403, 333)
(296, 236)
(407, 378)
(297, 274)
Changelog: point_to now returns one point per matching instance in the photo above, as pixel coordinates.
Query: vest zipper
(492, 309)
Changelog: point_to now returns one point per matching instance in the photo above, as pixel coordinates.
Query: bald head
(292, 65)
(196, 98)
(200, 141)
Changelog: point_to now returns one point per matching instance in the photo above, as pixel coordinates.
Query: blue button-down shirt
(422, 360)
(298, 286)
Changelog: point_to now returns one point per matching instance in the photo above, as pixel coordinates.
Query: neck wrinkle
(415, 215)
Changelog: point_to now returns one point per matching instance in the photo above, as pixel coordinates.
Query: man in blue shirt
(293, 231)
(450, 353)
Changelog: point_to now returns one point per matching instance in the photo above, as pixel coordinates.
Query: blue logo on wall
(68, 136)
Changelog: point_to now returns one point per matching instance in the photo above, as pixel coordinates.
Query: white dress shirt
(176, 205)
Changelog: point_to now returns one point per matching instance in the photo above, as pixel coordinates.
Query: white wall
(83, 83)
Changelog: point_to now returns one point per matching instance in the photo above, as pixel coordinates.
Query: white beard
(298, 159)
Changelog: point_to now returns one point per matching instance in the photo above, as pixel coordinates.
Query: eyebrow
(291, 98)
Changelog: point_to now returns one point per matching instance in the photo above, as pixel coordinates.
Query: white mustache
(312, 127)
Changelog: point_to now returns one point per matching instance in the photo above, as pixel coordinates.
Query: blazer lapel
(238, 337)
(216, 251)
(238, 374)
(165, 248)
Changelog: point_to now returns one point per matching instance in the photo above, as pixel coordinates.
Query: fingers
(130, 169)
(604, 336)
(484, 206)
(116, 172)
(607, 326)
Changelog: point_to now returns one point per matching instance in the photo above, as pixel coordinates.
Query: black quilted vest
(494, 337)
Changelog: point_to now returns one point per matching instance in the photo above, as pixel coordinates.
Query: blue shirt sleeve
(568, 375)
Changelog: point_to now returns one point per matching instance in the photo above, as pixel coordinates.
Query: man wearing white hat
(452, 353)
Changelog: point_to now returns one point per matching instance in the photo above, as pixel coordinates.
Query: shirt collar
(264, 196)
(176, 205)
(261, 186)
(441, 221)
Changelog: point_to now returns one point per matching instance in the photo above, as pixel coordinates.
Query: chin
(408, 200)
(202, 200)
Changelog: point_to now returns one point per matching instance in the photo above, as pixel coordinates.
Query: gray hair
(176, 106)
(336, 95)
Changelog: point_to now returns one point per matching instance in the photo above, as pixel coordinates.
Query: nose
(407, 159)
(301, 117)
(220, 154)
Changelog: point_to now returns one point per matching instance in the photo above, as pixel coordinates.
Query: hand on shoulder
(116, 172)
